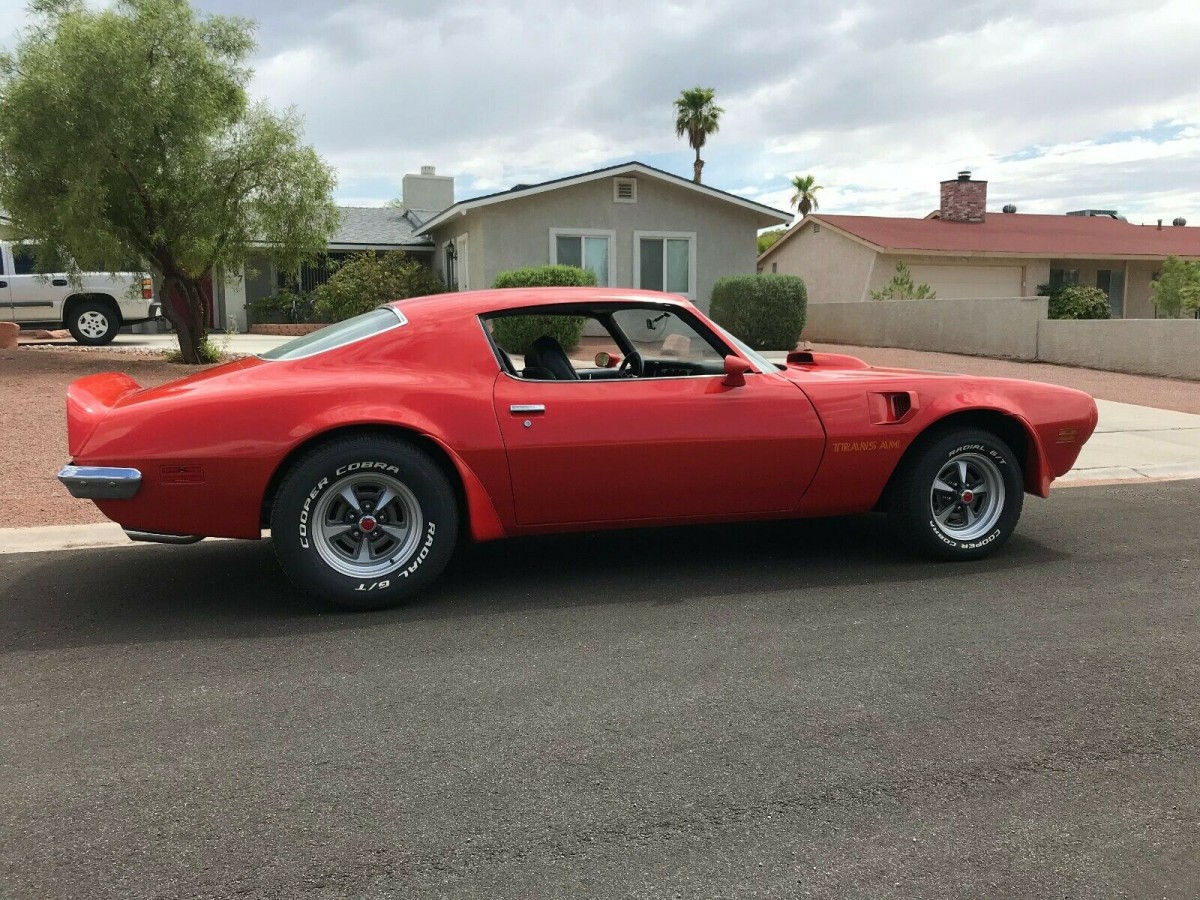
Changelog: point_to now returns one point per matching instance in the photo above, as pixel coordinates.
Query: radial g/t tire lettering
(365, 522)
(959, 496)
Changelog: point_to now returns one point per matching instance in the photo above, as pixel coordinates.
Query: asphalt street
(779, 710)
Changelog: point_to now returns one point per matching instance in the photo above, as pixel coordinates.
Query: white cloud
(1058, 103)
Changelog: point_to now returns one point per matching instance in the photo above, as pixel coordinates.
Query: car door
(34, 297)
(631, 449)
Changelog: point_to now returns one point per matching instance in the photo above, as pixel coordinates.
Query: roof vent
(1009, 208)
(1179, 222)
(624, 190)
(519, 187)
(428, 170)
(964, 174)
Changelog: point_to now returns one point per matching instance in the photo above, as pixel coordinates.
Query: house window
(1059, 277)
(1112, 282)
(584, 248)
(665, 261)
(624, 190)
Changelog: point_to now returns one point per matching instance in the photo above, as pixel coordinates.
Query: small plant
(282, 308)
(514, 334)
(1177, 288)
(208, 353)
(766, 311)
(901, 287)
(367, 280)
(1075, 301)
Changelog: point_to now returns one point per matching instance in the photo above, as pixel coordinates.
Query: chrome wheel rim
(367, 525)
(93, 324)
(967, 496)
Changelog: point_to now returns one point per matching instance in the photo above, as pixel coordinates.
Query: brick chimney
(963, 200)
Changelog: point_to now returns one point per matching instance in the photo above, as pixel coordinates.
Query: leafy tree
(901, 287)
(697, 116)
(769, 239)
(1177, 288)
(366, 280)
(804, 193)
(126, 132)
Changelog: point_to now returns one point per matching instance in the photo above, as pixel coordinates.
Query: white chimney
(428, 190)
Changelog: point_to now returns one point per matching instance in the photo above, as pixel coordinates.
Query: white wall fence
(1016, 328)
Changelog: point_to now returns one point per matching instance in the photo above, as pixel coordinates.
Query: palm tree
(805, 196)
(697, 116)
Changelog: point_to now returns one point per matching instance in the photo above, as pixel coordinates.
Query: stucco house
(632, 224)
(964, 252)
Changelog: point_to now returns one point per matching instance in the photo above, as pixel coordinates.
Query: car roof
(499, 299)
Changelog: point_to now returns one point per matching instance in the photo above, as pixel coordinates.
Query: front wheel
(959, 497)
(93, 323)
(364, 523)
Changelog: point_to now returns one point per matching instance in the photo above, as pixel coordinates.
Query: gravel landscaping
(33, 426)
(34, 379)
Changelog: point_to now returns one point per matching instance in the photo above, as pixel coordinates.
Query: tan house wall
(516, 233)
(1138, 278)
(835, 268)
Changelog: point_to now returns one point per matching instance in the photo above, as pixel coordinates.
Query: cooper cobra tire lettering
(307, 495)
(909, 495)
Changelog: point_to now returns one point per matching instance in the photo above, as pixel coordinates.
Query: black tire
(93, 323)
(933, 510)
(409, 544)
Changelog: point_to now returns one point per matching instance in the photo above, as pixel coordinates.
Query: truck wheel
(959, 497)
(93, 323)
(364, 522)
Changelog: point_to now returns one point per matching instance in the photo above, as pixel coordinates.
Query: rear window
(367, 325)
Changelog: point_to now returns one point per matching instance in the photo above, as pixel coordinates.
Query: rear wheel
(364, 523)
(93, 323)
(959, 497)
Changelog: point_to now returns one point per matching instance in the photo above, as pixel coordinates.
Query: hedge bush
(514, 334)
(366, 280)
(1074, 301)
(766, 311)
(282, 308)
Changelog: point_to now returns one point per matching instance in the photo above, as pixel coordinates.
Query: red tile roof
(1060, 237)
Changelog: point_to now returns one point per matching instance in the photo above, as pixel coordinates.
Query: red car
(370, 448)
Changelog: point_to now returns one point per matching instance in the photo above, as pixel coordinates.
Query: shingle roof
(1061, 237)
(383, 226)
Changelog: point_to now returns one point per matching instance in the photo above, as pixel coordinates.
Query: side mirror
(735, 371)
(605, 360)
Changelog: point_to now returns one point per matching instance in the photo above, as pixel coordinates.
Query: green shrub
(765, 311)
(1074, 301)
(546, 276)
(514, 334)
(366, 280)
(282, 308)
(901, 287)
(1176, 288)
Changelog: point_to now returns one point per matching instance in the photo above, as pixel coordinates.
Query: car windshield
(367, 325)
(761, 362)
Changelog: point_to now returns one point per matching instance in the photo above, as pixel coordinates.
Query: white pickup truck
(93, 308)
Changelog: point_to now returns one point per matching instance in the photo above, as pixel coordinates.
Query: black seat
(548, 355)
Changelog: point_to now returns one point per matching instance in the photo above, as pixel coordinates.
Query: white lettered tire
(959, 496)
(364, 522)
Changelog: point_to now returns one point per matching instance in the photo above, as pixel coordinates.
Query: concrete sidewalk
(1131, 444)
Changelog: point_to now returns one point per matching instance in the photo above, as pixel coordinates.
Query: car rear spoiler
(89, 400)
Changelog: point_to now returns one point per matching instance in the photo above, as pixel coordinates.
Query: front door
(35, 297)
(630, 449)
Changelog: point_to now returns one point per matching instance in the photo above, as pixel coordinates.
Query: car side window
(24, 259)
(553, 347)
(662, 335)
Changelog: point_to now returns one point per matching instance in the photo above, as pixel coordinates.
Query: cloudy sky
(1059, 105)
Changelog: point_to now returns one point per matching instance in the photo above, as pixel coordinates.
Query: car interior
(606, 342)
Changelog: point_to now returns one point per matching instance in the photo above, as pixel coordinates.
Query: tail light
(147, 288)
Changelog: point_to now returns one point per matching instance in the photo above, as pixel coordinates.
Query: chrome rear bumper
(100, 482)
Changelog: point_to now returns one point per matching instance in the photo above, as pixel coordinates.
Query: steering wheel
(632, 366)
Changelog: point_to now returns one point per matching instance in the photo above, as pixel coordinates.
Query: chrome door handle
(525, 409)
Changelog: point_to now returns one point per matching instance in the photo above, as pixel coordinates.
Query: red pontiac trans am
(370, 448)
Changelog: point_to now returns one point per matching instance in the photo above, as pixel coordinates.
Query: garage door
(966, 282)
